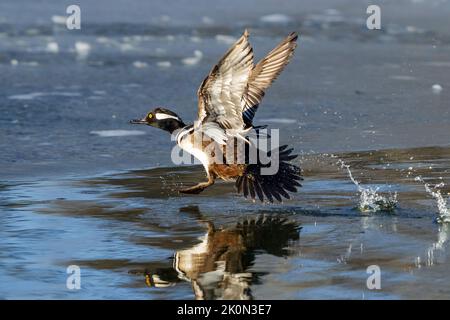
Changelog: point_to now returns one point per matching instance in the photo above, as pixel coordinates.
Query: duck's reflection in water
(217, 267)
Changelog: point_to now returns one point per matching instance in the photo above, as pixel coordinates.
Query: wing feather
(220, 94)
(264, 74)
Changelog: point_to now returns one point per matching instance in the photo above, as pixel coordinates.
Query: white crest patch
(162, 116)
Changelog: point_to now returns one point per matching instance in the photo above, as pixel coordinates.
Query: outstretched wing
(264, 73)
(220, 94)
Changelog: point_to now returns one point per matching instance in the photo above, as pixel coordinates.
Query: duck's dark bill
(138, 121)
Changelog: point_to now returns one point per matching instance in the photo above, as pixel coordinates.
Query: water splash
(369, 198)
(439, 245)
(443, 209)
(436, 249)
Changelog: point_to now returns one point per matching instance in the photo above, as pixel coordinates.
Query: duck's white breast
(191, 142)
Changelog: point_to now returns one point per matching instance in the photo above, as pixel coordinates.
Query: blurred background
(367, 110)
(61, 89)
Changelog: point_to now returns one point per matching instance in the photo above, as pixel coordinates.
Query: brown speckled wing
(263, 75)
(220, 94)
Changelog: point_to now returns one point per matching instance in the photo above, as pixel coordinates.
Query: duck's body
(209, 153)
(228, 99)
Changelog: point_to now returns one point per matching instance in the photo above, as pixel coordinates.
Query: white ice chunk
(193, 60)
(225, 39)
(276, 18)
(82, 49)
(140, 64)
(117, 133)
(52, 47)
(59, 19)
(164, 64)
(437, 88)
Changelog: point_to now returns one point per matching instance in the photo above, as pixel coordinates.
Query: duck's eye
(150, 116)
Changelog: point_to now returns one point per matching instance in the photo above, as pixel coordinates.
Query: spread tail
(254, 183)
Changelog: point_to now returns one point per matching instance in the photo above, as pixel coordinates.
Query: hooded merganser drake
(227, 102)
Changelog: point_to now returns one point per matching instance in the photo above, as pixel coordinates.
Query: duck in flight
(228, 99)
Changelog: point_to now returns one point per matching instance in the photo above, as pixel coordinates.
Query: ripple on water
(135, 227)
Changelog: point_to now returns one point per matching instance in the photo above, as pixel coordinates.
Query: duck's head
(161, 118)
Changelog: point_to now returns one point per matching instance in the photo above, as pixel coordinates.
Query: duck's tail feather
(257, 179)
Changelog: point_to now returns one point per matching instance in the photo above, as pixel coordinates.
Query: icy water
(80, 186)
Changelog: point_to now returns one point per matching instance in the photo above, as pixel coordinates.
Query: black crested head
(161, 118)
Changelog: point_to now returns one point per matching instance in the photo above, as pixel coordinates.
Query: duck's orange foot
(196, 189)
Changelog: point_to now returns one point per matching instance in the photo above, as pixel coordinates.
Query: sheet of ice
(140, 64)
(30, 63)
(276, 18)
(33, 95)
(160, 51)
(437, 88)
(126, 47)
(403, 78)
(278, 120)
(52, 47)
(207, 20)
(164, 19)
(117, 133)
(59, 19)
(225, 39)
(196, 39)
(438, 63)
(193, 60)
(164, 64)
(103, 40)
(82, 49)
